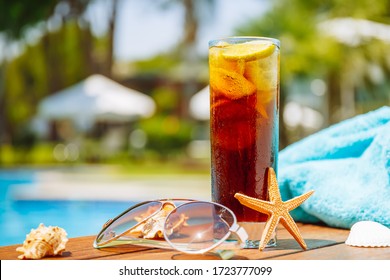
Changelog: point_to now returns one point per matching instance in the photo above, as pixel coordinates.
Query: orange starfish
(276, 209)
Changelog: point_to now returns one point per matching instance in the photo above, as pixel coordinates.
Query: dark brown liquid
(244, 142)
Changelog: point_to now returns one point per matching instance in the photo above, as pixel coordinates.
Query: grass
(41, 156)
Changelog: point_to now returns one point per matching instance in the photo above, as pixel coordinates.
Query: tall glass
(244, 123)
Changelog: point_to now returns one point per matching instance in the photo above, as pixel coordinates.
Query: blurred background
(105, 102)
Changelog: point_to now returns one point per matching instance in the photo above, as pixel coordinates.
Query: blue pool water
(78, 218)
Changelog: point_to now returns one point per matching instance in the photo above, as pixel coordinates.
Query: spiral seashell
(369, 234)
(42, 242)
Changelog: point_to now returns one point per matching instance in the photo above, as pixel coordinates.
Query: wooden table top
(323, 243)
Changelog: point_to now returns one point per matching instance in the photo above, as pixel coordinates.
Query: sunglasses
(189, 226)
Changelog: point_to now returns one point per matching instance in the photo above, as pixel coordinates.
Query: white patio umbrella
(96, 98)
(200, 104)
(353, 31)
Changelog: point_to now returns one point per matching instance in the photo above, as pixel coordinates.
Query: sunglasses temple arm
(105, 243)
(102, 244)
(240, 232)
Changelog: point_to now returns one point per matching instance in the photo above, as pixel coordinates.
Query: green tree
(15, 16)
(308, 52)
(31, 75)
(58, 59)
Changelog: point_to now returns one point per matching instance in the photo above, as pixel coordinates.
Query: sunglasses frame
(166, 243)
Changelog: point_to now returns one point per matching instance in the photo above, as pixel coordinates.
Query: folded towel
(348, 166)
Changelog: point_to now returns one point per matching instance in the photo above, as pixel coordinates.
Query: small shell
(369, 234)
(43, 241)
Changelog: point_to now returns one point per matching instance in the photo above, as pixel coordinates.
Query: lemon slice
(216, 60)
(248, 51)
(231, 84)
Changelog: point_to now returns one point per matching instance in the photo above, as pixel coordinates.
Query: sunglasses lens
(126, 221)
(198, 226)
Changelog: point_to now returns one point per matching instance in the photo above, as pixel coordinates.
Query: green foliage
(375, 10)
(166, 99)
(55, 62)
(304, 49)
(158, 65)
(166, 134)
(19, 14)
(356, 77)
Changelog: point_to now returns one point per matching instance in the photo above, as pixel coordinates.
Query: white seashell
(43, 241)
(369, 234)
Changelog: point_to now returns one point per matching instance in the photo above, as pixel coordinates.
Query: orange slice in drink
(248, 51)
(231, 84)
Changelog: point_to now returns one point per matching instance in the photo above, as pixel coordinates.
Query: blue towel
(348, 166)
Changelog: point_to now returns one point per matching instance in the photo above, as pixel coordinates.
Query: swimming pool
(18, 217)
